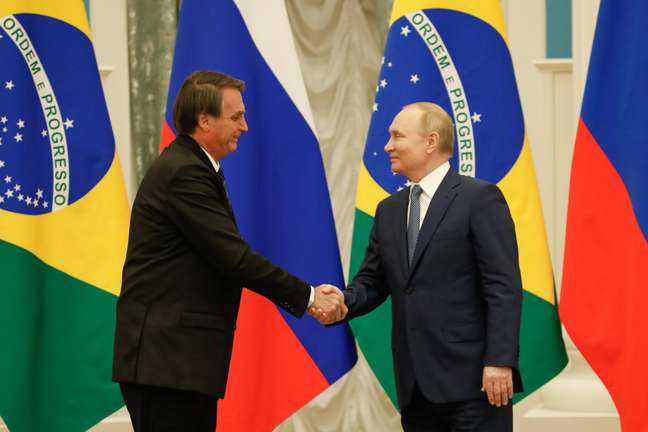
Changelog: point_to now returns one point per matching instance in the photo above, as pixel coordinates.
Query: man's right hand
(328, 306)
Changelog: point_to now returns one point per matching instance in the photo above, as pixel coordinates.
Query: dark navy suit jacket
(457, 308)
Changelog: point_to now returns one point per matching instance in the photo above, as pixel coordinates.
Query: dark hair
(201, 92)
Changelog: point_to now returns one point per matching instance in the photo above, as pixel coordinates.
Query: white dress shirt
(430, 183)
(216, 166)
(214, 163)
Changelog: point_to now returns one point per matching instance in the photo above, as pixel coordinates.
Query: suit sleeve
(199, 210)
(495, 248)
(368, 289)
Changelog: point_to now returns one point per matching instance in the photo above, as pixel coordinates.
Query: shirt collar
(430, 183)
(214, 163)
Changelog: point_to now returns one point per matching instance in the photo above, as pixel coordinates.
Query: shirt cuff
(311, 299)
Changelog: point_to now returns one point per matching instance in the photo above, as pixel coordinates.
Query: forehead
(406, 119)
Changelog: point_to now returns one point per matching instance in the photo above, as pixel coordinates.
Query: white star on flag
(45, 204)
(400, 188)
(17, 188)
(68, 123)
(9, 85)
(39, 193)
(414, 78)
(375, 153)
(375, 107)
(9, 193)
(389, 64)
(1, 200)
(21, 197)
(4, 129)
(35, 203)
(7, 179)
(28, 200)
(20, 123)
(383, 83)
(476, 118)
(3, 120)
(43, 133)
(2, 164)
(405, 31)
(18, 137)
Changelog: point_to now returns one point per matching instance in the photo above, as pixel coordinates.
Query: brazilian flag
(63, 222)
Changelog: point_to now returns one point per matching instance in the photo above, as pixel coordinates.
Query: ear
(432, 142)
(203, 122)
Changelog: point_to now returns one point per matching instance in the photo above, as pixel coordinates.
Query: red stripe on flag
(604, 293)
(271, 374)
(167, 135)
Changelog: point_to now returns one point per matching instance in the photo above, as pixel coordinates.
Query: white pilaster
(110, 40)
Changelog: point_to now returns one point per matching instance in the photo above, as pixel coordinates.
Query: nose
(243, 127)
(389, 147)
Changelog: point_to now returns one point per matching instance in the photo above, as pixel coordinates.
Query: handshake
(328, 306)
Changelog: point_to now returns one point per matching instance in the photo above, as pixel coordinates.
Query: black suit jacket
(457, 308)
(185, 268)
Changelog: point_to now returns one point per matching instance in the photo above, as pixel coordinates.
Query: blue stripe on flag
(614, 105)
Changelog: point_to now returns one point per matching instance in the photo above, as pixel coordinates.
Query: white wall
(109, 33)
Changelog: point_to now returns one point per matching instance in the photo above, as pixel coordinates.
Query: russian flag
(278, 189)
(605, 280)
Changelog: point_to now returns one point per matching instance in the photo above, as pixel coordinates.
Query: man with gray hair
(445, 250)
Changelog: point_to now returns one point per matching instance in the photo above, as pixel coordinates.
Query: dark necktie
(221, 176)
(414, 221)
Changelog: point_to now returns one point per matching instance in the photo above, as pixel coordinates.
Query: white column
(110, 40)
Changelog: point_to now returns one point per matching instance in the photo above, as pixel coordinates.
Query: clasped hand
(328, 306)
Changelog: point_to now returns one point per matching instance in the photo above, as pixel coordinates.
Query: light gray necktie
(414, 221)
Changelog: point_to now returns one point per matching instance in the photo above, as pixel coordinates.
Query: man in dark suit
(445, 250)
(185, 268)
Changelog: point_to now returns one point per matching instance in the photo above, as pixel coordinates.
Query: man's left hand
(497, 382)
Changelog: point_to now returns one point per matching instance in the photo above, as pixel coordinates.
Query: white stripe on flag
(268, 24)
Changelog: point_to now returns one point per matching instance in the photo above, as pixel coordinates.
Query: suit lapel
(439, 205)
(189, 143)
(401, 221)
